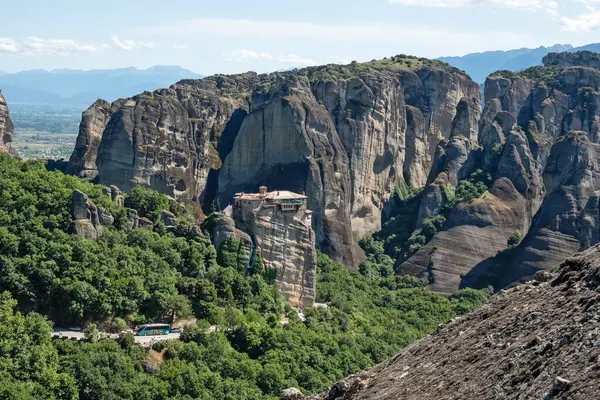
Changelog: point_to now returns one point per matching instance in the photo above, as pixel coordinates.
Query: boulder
(145, 223)
(168, 218)
(80, 206)
(117, 195)
(89, 220)
(85, 229)
(292, 394)
(105, 217)
(134, 219)
(196, 231)
(543, 276)
(226, 229)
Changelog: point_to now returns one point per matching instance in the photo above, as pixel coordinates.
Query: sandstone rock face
(535, 341)
(473, 233)
(163, 139)
(83, 160)
(6, 127)
(344, 135)
(287, 245)
(283, 239)
(538, 139)
(349, 136)
(226, 229)
(88, 219)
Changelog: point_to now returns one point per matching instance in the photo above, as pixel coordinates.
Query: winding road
(145, 341)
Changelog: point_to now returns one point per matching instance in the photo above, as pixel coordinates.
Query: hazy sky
(229, 36)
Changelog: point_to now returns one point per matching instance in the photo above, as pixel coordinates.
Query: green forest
(49, 276)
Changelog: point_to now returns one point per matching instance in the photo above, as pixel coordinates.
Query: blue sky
(227, 36)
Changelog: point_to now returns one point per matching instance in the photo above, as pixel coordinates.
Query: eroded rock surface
(93, 122)
(344, 135)
(350, 136)
(6, 127)
(538, 140)
(277, 230)
(88, 219)
(535, 341)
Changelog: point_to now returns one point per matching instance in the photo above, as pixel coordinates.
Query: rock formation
(538, 139)
(88, 219)
(579, 58)
(537, 341)
(6, 127)
(350, 136)
(169, 219)
(93, 123)
(344, 135)
(276, 227)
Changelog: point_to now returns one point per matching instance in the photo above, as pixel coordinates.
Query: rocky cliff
(579, 58)
(351, 137)
(536, 341)
(344, 135)
(6, 127)
(538, 142)
(94, 120)
(275, 239)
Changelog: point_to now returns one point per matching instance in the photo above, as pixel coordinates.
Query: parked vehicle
(153, 330)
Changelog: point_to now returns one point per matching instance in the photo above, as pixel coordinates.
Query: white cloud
(338, 60)
(183, 46)
(425, 40)
(582, 22)
(589, 4)
(296, 60)
(249, 56)
(548, 5)
(8, 45)
(237, 28)
(123, 44)
(245, 55)
(32, 46)
(129, 44)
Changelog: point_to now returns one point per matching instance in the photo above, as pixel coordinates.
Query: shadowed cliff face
(344, 135)
(6, 127)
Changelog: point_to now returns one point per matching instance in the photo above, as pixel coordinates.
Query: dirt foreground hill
(540, 340)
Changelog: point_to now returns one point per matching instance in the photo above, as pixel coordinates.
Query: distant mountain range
(480, 65)
(81, 88)
(77, 87)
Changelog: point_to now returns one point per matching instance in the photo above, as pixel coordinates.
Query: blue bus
(153, 330)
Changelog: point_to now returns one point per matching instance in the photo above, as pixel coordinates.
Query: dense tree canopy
(137, 276)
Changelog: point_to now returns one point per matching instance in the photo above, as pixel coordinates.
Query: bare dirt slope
(540, 340)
